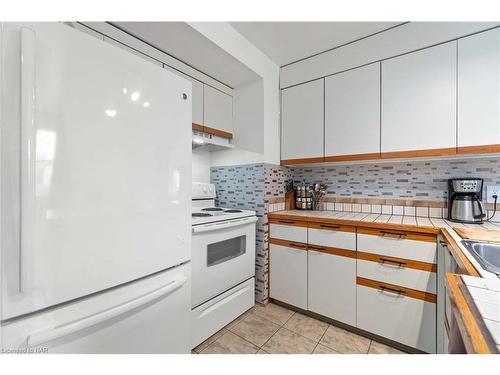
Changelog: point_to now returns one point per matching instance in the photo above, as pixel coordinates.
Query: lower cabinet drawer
(419, 247)
(410, 321)
(292, 232)
(288, 275)
(388, 270)
(332, 286)
(338, 236)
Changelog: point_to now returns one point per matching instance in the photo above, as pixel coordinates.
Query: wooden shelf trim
(484, 149)
(333, 251)
(292, 244)
(419, 153)
(447, 151)
(197, 127)
(213, 131)
(353, 157)
(318, 159)
(332, 227)
(293, 223)
(406, 292)
(405, 263)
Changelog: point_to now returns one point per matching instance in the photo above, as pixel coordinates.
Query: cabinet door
(419, 101)
(398, 317)
(352, 112)
(288, 275)
(302, 111)
(479, 89)
(332, 286)
(218, 110)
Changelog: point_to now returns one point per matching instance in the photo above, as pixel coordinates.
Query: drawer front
(386, 243)
(288, 232)
(407, 320)
(215, 314)
(333, 238)
(390, 272)
(288, 275)
(332, 286)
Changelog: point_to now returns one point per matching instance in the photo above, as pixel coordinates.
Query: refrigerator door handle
(28, 160)
(53, 333)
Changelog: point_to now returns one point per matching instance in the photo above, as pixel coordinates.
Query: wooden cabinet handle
(383, 261)
(297, 246)
(286, 221)
(386, 289)
(319, 248)
(394, 234)
(329, 226)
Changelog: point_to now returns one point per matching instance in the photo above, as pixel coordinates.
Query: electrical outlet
(492, 190)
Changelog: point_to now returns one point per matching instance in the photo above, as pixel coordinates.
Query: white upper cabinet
(302, 113)
(352, 112)
(479, 89)
(419, 100)
(218, 110)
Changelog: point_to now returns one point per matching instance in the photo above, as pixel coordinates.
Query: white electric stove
(223, 263)
(203, 207)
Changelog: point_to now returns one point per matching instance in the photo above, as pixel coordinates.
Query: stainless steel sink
(487, 254)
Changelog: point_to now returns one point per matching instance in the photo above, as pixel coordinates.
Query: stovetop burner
(233, 211)
(200, 214)
(212, 209)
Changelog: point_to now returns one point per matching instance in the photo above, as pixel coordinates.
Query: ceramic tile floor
(273, 329)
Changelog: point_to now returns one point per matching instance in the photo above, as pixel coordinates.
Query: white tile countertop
(485, 294)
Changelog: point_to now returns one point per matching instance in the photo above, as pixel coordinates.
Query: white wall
(227, 38)
(248, 104)
(201, 163)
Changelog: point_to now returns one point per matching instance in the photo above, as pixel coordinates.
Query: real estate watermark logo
(31, 350)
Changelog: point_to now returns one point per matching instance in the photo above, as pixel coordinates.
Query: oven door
(223, 255)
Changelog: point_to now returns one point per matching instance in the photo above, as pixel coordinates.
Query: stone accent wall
(253, 187)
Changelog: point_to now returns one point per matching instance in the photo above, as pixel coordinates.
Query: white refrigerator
(95, 196)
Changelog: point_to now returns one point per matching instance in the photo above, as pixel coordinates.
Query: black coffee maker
(465, 200)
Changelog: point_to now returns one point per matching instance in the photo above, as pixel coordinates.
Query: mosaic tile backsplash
(253, 187)
(417, 180)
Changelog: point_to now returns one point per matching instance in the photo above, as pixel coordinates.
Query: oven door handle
(224, 224)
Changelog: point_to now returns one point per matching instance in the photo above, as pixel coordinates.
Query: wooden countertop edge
(355, 223)
(473, 331)
(463, 262)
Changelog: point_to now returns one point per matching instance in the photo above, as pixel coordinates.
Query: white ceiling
(286, 42)
(181, 41)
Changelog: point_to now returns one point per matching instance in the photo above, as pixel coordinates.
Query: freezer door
(96, 166)
(146, 316)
